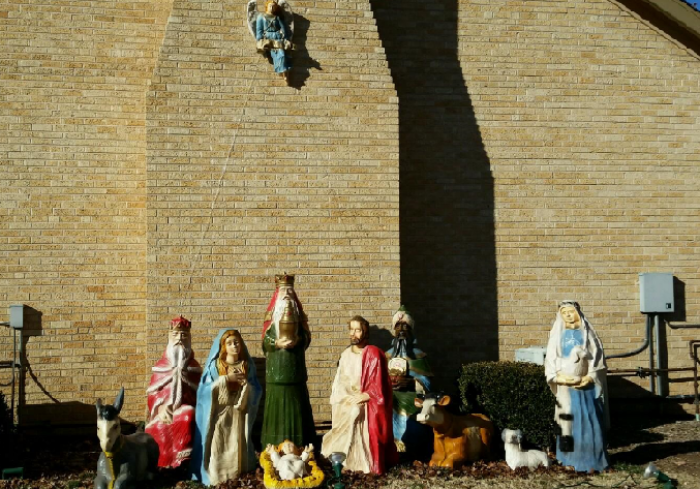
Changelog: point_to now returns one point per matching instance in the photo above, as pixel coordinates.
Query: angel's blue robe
(274, 28)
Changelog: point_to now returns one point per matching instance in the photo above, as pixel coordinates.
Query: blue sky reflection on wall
(693, 3)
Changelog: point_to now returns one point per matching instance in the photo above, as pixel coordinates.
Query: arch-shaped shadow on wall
(448, 271)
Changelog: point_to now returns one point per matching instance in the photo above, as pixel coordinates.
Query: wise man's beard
(403, 347)
(177, 355)
(278, 311)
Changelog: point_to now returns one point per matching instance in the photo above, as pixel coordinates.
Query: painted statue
(287, 462)
(361, 401)
(458, 438)
(286, 466)
(273, 31)
(125, 460)
(576, 373)
(286, 337)
(410, 375)
(172, 396)
(227, 403)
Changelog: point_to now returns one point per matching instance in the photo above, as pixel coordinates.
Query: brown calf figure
(458, 439)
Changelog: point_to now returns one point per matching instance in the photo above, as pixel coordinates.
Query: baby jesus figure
(290, 465)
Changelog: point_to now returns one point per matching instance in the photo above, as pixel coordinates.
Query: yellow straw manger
(271, 480)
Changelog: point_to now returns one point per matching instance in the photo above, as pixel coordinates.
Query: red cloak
(174, 439)
(375, 382)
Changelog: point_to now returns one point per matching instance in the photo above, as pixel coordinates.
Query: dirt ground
(674, 446)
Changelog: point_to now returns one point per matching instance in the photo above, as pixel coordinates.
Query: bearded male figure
(361, 400)
(286, 337)
(172, 396)
(410, 375)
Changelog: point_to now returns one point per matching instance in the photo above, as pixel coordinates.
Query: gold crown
(180, 323)
(284, 280)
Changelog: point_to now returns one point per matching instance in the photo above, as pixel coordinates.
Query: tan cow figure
(458, 439)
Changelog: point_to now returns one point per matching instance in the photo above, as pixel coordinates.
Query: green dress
(288, 413)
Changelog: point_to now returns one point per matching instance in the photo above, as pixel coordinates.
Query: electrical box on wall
(533, 354)
(656, 292)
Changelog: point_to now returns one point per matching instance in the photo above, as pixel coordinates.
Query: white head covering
(403, 315)
(591, 343)
(597, 368)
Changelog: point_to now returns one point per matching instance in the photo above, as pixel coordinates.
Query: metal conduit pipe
(652, 385)
(661, 376)
(682, 326)
(639, 350)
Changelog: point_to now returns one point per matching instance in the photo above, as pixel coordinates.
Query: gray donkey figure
(125, 460)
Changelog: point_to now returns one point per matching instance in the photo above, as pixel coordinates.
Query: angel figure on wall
(273, 31)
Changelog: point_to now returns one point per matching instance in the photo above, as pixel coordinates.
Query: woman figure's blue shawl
(203, 411)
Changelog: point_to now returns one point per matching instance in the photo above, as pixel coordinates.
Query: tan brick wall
(72, 178)
(153, 164)
(595, 167)
(549, 150)
(248, 177)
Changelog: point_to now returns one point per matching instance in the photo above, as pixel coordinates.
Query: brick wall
(549, 150)
(73, 205)
(154, 165)
(248, 177)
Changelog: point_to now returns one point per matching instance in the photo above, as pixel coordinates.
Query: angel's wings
(287, 15)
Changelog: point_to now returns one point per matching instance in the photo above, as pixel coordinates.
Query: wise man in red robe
(172, 396)
(361, 402)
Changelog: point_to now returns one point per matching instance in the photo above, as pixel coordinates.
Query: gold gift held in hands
(288, 324)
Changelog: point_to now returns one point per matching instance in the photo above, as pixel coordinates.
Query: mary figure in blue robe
(576, 373)
(227, 403)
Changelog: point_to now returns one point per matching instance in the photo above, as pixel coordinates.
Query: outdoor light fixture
(337, 459)
(653, 471)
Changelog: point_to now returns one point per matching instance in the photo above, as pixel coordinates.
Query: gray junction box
(656, 293)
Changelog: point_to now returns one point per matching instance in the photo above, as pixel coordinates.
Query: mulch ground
(674, 446)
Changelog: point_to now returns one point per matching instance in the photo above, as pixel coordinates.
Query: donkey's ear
(119, 401)
(98, 405)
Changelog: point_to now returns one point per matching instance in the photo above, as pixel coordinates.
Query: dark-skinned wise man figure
(410, 375)
(286, 337)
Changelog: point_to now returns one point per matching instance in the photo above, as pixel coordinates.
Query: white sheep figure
(517, 457)
(576, 364)
(290, 466)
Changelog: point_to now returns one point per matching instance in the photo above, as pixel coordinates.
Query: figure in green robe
(286, 337)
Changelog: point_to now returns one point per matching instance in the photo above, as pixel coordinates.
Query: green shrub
(513, 395)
